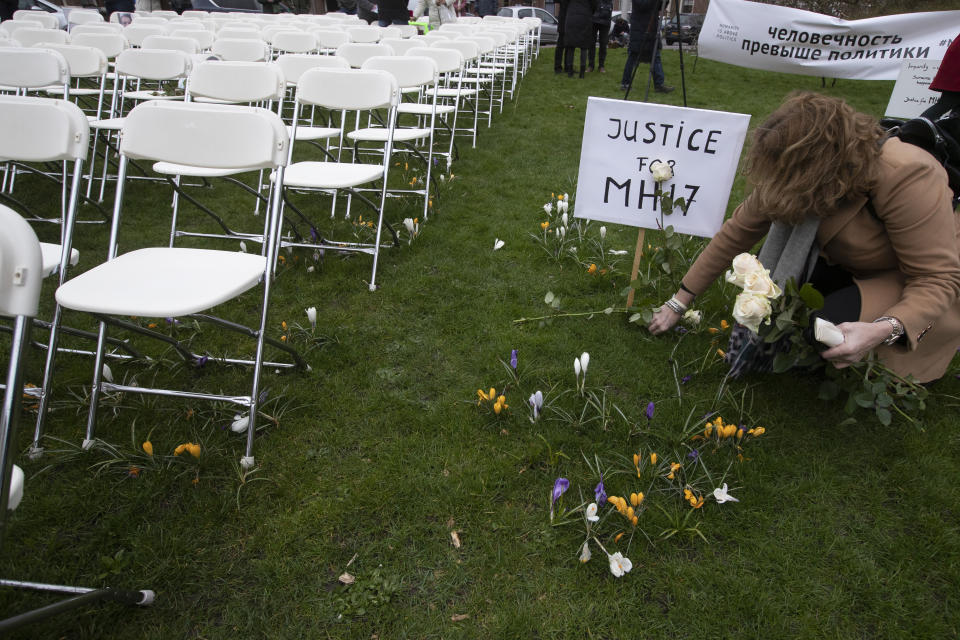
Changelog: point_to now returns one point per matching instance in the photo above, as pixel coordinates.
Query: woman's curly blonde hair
(810, 156)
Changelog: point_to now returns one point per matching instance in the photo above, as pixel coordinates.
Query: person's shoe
(624, 86)
(589, 69)
(602, 70)
(569, 74)
(662, 88)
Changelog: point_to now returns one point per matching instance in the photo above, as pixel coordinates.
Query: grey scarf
(790, 251)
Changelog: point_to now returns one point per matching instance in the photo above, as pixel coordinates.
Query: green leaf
(784, 322)
(782, 362)
(665, 266)
(884, 416)
(668, 231)
(865, 399)
(811, 297)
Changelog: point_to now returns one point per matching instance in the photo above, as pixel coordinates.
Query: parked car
(548, 30)
(687, 32)
(44, 5)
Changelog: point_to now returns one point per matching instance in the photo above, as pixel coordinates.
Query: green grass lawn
(380, 451)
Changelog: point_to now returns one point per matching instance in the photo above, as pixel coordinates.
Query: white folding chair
(294, 42)
(400, 46)
(329, 40)
(83, 16)
(20, 262)
(28, 37)
(142, 74)
(96, 27)
(171, 43)
(172, 282)
(346, 90)
(203, 37)
(450, 67)
(48, 20)
(243, 83)
(367, 34)
(137, 33)
(465, 91)
(46, 130)
(240, 50)
(420, 74)
(356, 53)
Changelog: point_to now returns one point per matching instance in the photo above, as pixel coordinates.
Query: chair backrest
(458, 28)
(110, 43)
(239, 82)
(406, 30)
(83, 61)
(295, 65)
(367, 34)
(350, 89)
(153, 64)
(192, 13)
(173, 43)
(137, 33)
(469, 20)
(32, 68)
(356, 53)
(30, 37)
(436, 34)
(409, 71)
(295, 41)
(10, 26)
(240, 34)
(42, 130)
(205, 135)
(181, 22)
(84, 16)
(469, 50)
(447, 60)
(203, 38)
(485, 43)
(151, 20)
(21, 272)
(164, 13)
(240, 49)
(400, 47)
(96, 27)
(48, 20)
(391, 32)
(330, 39)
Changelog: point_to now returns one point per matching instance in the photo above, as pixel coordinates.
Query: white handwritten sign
(911, 94)
(620, 141)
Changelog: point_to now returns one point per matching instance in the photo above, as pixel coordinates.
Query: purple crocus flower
(693, 455)
(685, 379)
(600, 493)
(201, 362)
(513, 359)
(560, 487)
(650, 408)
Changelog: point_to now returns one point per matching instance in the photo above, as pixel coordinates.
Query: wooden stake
(636, 265)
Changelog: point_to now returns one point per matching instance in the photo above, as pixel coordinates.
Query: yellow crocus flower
(653, 458)
(148, 447)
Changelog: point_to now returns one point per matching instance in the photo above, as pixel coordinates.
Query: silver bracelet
(675, 305)
(674, 300)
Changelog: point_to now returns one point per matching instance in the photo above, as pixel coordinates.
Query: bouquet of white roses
(752, 307)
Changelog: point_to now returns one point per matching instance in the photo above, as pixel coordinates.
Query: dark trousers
(568, 59)
(601, 34)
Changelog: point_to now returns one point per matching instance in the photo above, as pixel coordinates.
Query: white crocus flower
(619, 565)
(617, 252)
(548, 208)
(721, 495)
(592, 512)
(576, 367)
(408, 223)
(564, 219)
(603, 232)
(498, 244)
(692, 317)
(312, 317)
(243, 246)
(584, 361)
(240, 423)
(585, 554)
(107, 373)
(536, 404)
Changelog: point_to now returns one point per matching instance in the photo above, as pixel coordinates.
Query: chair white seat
(162, 282)
(330, 175)
(50, 253)
(174, 169)
(381, 134)
(421, 109)
(314, 133)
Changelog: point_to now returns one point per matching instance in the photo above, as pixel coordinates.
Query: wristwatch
(896, 329)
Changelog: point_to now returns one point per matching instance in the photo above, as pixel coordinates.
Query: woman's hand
(664, 319)
(858, 339)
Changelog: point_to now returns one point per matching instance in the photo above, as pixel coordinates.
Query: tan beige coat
(905, 259)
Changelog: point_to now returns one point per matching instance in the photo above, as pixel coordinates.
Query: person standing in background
(644, 44)
(393, 12)
(487, 7)
(577, 33)
(601, 32)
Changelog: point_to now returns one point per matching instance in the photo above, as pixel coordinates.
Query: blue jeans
(656, 68)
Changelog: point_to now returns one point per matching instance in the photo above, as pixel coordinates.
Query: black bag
(747, 352)
(939, 137)
(604, 11)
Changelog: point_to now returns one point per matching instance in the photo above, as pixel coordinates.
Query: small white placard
(620, 141)
(911, 94)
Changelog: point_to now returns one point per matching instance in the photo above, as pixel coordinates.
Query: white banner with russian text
(774, 38)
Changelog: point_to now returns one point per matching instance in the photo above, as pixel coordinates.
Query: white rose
(743, 264)
(751, 309)
(760, 283)
(692, 317)
(661, 171)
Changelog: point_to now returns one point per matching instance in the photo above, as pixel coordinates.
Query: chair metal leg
(82, 596)
(10, 417)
